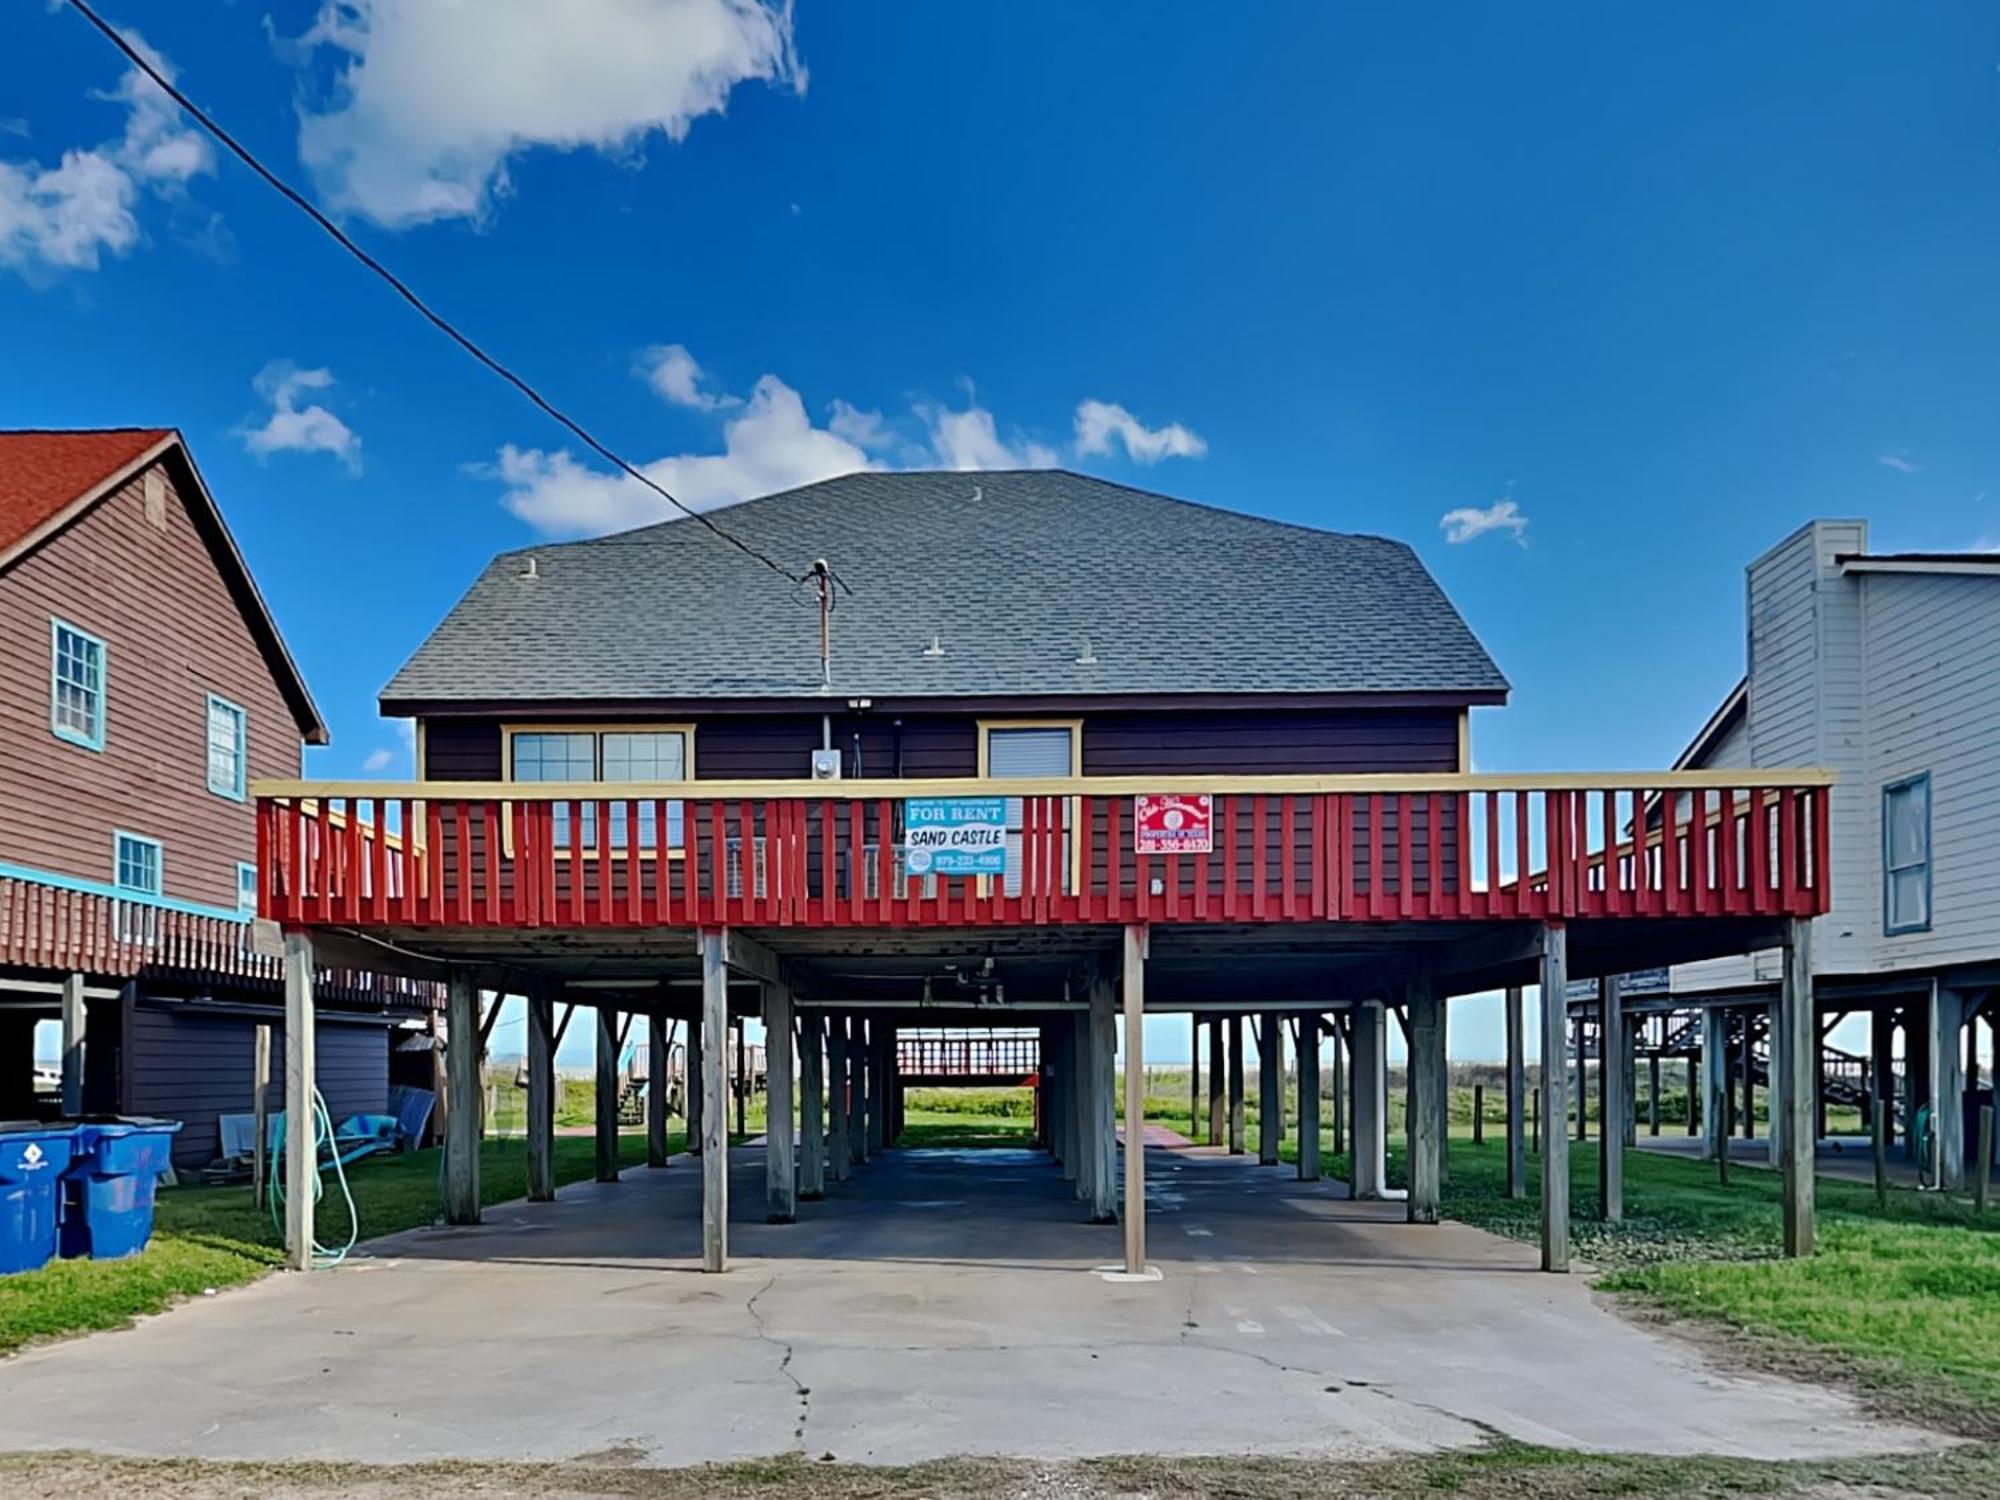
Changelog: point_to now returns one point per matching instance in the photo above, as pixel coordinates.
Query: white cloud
(431, 101)
(674, 376)
(379, 759)
(70, 216)
(291, 428)
(864, 429)
(1467, 522)
(1099, 422)
(970, 439)
(770, 444)
(1899, 461)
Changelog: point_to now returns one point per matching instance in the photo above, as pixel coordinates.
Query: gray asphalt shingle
(1010, 573)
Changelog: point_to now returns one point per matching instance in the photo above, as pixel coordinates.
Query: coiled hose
(323, 1256)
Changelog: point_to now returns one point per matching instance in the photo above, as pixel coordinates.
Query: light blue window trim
(225, 739)
(246, 890)
(78, 672)
(111, 892)
(138, 865)
(1906, 862)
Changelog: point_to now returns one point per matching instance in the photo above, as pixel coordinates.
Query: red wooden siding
(173, 634)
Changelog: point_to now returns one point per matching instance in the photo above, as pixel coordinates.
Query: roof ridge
(638, 535)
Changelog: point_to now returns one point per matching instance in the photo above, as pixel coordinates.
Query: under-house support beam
(1369, 1081)
(1795, 1064)
(1309, 1096)
(1715, 1093)
(301, 1151)
(1133, 973)
(1517, 1091)
(541, 1142)
(1555, 1084)
(1611, 1080)
(608, 1086)
(839, 1150)
(1103, 1021)
(714, 1027)
(812, 1106)
(781, 1185)
(463, 1121)
(1237, 1141)
(658, 1044)
(1270, 1088)
(1422, 1115)
(73, 1026)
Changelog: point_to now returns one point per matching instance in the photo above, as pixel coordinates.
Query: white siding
(1806, 707)
(1932, 675)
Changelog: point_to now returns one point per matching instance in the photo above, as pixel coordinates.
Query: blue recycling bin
(108, 1198)
(33, 1158)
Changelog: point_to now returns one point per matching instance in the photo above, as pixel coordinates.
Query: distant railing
(974, 1055)
(82, 932)
(1282, 849)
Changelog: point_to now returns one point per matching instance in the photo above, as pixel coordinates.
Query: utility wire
(402, 288)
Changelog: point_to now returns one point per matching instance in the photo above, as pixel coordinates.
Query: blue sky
(1651, 288)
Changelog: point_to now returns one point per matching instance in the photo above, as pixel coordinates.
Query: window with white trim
(606, 755)
(1906, 855)
(136, 865)
(1027, 752)
(76, 685)
(246, 889)
(226, 740)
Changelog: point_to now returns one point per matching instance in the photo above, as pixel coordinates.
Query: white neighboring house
(1885, 669)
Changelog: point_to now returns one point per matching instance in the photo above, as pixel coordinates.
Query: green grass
(1902, 1300)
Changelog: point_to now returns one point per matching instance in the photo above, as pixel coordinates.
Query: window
(76, 692)
(1906, 855)
(1028, 752)
(246, 889)
(606, 755)
(225, 748)
(137, 865)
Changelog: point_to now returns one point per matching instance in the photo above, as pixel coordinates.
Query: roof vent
(1086, 657)
(935, 648)
(531, 568)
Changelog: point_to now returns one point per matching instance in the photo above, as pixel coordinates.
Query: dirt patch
(1500, 1471)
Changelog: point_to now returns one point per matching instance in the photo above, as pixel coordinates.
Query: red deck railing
(81, 932)
(1285, 849)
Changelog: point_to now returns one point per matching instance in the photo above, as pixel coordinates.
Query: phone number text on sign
(955, 835)
(1167, 823)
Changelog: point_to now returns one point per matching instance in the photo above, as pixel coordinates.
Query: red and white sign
(1167, 823)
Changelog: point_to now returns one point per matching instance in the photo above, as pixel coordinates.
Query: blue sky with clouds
(1590, 305)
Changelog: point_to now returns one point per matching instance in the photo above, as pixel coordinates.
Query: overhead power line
(403, 289)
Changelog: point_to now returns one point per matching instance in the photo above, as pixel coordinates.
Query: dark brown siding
(1272, 744)
(173, 634)
(757, 747)
(462, 750)
(184, 1066)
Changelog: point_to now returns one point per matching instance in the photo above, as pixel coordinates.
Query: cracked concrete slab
(937, 1304)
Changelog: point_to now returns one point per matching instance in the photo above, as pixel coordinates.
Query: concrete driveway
(938, 1304)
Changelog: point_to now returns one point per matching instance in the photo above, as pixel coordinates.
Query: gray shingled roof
(1011, 573)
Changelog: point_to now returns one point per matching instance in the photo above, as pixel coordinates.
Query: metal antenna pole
(823, 579)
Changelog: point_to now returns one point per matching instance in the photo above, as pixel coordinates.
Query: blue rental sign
(955, 835)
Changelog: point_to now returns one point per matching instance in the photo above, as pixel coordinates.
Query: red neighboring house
(143, 687)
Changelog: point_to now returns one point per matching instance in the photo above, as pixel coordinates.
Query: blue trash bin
(33, 1158)
(108, 1200)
